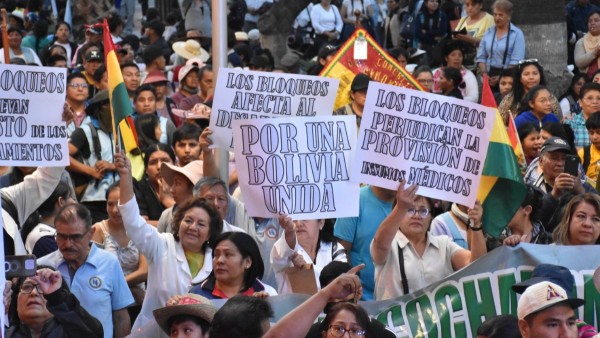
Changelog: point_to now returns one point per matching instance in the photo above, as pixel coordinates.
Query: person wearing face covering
(91, 156)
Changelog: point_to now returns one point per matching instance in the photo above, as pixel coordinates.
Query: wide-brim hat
(192, 170)
(156, 77)
(189, 304)
(198, 111)
(190, 49)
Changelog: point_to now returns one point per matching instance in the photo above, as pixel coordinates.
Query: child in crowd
(505, 84)
(536, 107)
(187, 315)
(590, 155)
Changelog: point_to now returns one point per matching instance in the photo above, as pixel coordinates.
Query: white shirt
(433, 265)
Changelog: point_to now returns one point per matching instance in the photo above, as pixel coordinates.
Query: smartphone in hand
(572, 165)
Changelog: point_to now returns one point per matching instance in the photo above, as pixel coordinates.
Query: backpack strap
(402, 270)
(95, 141)
(586, 157)
(456, 236)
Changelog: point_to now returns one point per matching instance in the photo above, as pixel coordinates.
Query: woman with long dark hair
(569, 100)
(304, 242)
(61, 38)
(431, 26)
(151, 192)
(237, 269)
(529, 74)
(37, 39)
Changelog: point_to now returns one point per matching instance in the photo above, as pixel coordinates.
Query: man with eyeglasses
(46, 308)
(93, 275)
(77, 95)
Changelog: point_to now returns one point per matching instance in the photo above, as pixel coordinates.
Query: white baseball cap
(544, 295)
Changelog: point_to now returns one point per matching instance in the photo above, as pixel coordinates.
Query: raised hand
(344, 285)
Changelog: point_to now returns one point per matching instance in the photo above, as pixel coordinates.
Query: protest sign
(433, 141)
(32, 132)
(243, 94)
(2, 285)
(298, 166)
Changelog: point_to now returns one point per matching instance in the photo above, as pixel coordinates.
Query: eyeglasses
(73, 238)
(592, 99)
(522, 62)
(79, 85)
(423, 212)
(338, 331)
(28, 288)
(425, 81)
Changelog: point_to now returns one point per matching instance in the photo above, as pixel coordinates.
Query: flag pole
(5, 37)
(219, 47)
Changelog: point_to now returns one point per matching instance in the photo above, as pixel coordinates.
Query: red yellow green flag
(515, 142)
(120, 105)
(379, 65)
(501, 189)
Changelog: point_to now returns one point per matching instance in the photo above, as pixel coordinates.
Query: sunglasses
(526, 61)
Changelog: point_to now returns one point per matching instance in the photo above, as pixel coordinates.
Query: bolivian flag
(501, 189)
(120, 105)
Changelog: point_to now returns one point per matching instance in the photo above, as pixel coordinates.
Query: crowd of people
(142, 244)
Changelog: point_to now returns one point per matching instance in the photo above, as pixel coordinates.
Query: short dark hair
(114, 21)
(533, 197)
(99, 72)
(52, 59)
(206, 68)
(151, 53)
(248, 248)
(143, 88)
(589, 87)
(216, 223)
(130, 64)
(72, 213)
(227, 322)
(503, 326)
(75, 75)
(508, 72)
(527, 128)
(593, 122)
(178, 319)
(186, 131)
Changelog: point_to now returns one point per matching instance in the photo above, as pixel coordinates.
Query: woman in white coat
(305, 242)
(175, 260)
